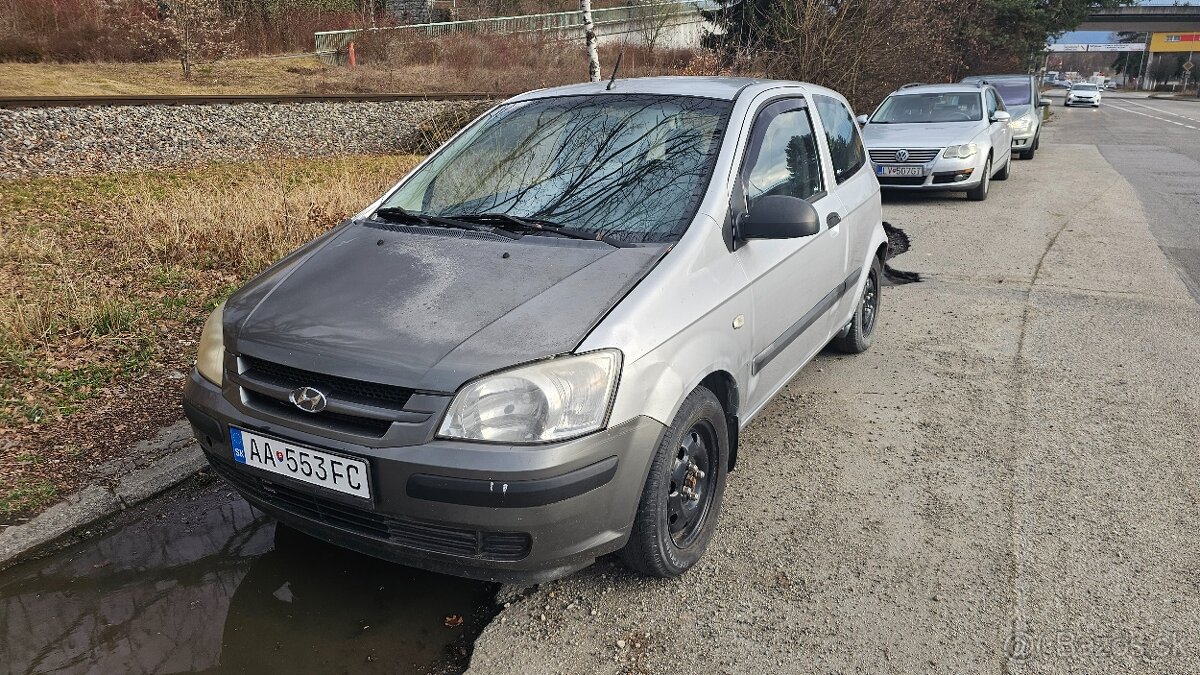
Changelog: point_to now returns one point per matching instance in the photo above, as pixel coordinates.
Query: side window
(845, 145)
(999, 100)
(783, 158)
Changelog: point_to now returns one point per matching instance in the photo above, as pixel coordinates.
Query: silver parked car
(940, 137)
(541, 345)
(1083, 93)
(1023, 100)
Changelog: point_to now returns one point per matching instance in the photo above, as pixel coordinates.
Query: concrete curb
(176, 457)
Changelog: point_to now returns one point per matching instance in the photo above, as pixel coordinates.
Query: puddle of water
(198, 581)
(898, 242)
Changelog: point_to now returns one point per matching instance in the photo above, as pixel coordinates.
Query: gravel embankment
(58, 141)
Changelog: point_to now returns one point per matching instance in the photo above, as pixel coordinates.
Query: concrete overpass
(1147, 18)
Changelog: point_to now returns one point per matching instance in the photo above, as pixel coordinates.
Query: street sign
(1187, 67)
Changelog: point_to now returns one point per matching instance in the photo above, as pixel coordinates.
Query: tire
(1003, 174)
(856, 337)
(980, 192)
(672, 529)
(1028, 154)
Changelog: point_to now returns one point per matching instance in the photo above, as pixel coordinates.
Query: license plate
(335, 472)
(905, 171)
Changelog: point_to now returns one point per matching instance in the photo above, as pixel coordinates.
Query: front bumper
(942, 174)
(1082, 101)
(517, 514)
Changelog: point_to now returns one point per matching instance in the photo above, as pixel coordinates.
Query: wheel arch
(723, 385)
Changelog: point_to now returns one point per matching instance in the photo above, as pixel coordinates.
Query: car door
(1000, 132)
(857, 191)
(790, 279)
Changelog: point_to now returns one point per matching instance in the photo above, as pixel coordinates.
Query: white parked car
(1084, 93)
(940, 137)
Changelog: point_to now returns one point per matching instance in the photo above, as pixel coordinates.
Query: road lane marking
(1165, 112)
(1161, 119)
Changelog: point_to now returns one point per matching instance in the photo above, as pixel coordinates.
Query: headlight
(210, 360)
(547, 401)
(1022, 123)
(960, 151)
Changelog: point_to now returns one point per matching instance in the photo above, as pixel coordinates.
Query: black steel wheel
(857, 335)
(677, 513)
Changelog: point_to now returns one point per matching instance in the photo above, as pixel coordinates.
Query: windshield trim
(688, 213)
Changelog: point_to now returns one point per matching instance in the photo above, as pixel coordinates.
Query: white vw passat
(940, 137)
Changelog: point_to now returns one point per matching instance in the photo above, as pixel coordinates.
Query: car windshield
(1014, 92)
(1085, 87)
(632, 167)
(929, 108)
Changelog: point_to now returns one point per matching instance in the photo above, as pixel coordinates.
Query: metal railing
(330, 44)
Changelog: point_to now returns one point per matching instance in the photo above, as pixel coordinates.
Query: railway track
(226, 99)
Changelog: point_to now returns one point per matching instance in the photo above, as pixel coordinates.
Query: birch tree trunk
(589, 36)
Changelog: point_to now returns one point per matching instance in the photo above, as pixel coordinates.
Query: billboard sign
(1107, 47)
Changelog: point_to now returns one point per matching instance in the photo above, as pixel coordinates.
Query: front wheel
(856, 337)
(677, 513)
(980, 192)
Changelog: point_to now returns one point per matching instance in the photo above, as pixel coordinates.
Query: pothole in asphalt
(898, 242)
(198, 581)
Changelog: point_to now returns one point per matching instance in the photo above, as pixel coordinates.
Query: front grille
(914, 156)
(350, 424)
(369, 393)
(500, 546)
(901, 180)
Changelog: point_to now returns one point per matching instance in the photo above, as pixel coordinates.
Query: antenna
(616, 67)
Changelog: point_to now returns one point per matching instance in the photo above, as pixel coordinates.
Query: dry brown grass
(495, 63)
(110, 279)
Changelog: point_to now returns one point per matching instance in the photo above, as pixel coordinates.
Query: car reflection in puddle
(198, 581)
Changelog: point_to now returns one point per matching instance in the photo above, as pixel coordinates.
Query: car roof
(992, 78)
(726, 88)
(935, 89)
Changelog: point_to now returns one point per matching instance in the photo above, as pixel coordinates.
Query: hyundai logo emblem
(901, 155)
(308, 399)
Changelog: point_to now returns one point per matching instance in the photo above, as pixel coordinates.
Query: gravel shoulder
(1005, 482)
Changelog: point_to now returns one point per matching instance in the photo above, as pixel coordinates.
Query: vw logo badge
(901, 155)
(308, 399)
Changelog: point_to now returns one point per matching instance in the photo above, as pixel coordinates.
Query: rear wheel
(980, 192)
(677, 514)
(856, 337)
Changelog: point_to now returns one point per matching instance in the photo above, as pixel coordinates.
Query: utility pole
(589, 36)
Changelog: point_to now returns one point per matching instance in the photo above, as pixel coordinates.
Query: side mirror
(1043, 103)
(862, 120)
(779, 217)
(1001, 116)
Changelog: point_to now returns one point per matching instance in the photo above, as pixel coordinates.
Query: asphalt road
(1006, 483)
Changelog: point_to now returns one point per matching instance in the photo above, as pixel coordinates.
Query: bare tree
(589, 36)
(651, 18)
(193, 31)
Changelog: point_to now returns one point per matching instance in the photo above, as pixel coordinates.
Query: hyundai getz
(539, 347)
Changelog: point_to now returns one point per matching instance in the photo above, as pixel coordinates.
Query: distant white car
(1084, 93)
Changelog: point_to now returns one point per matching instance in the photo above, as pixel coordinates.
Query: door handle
(832, 220)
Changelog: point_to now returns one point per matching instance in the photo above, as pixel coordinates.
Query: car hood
(1080, 93)
(429, 309)
(935, 135)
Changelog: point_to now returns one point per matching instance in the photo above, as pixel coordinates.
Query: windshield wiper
(397, 214)
(538, 225)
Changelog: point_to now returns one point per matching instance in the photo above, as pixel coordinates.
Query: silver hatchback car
(940, 137)
(540, 346)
